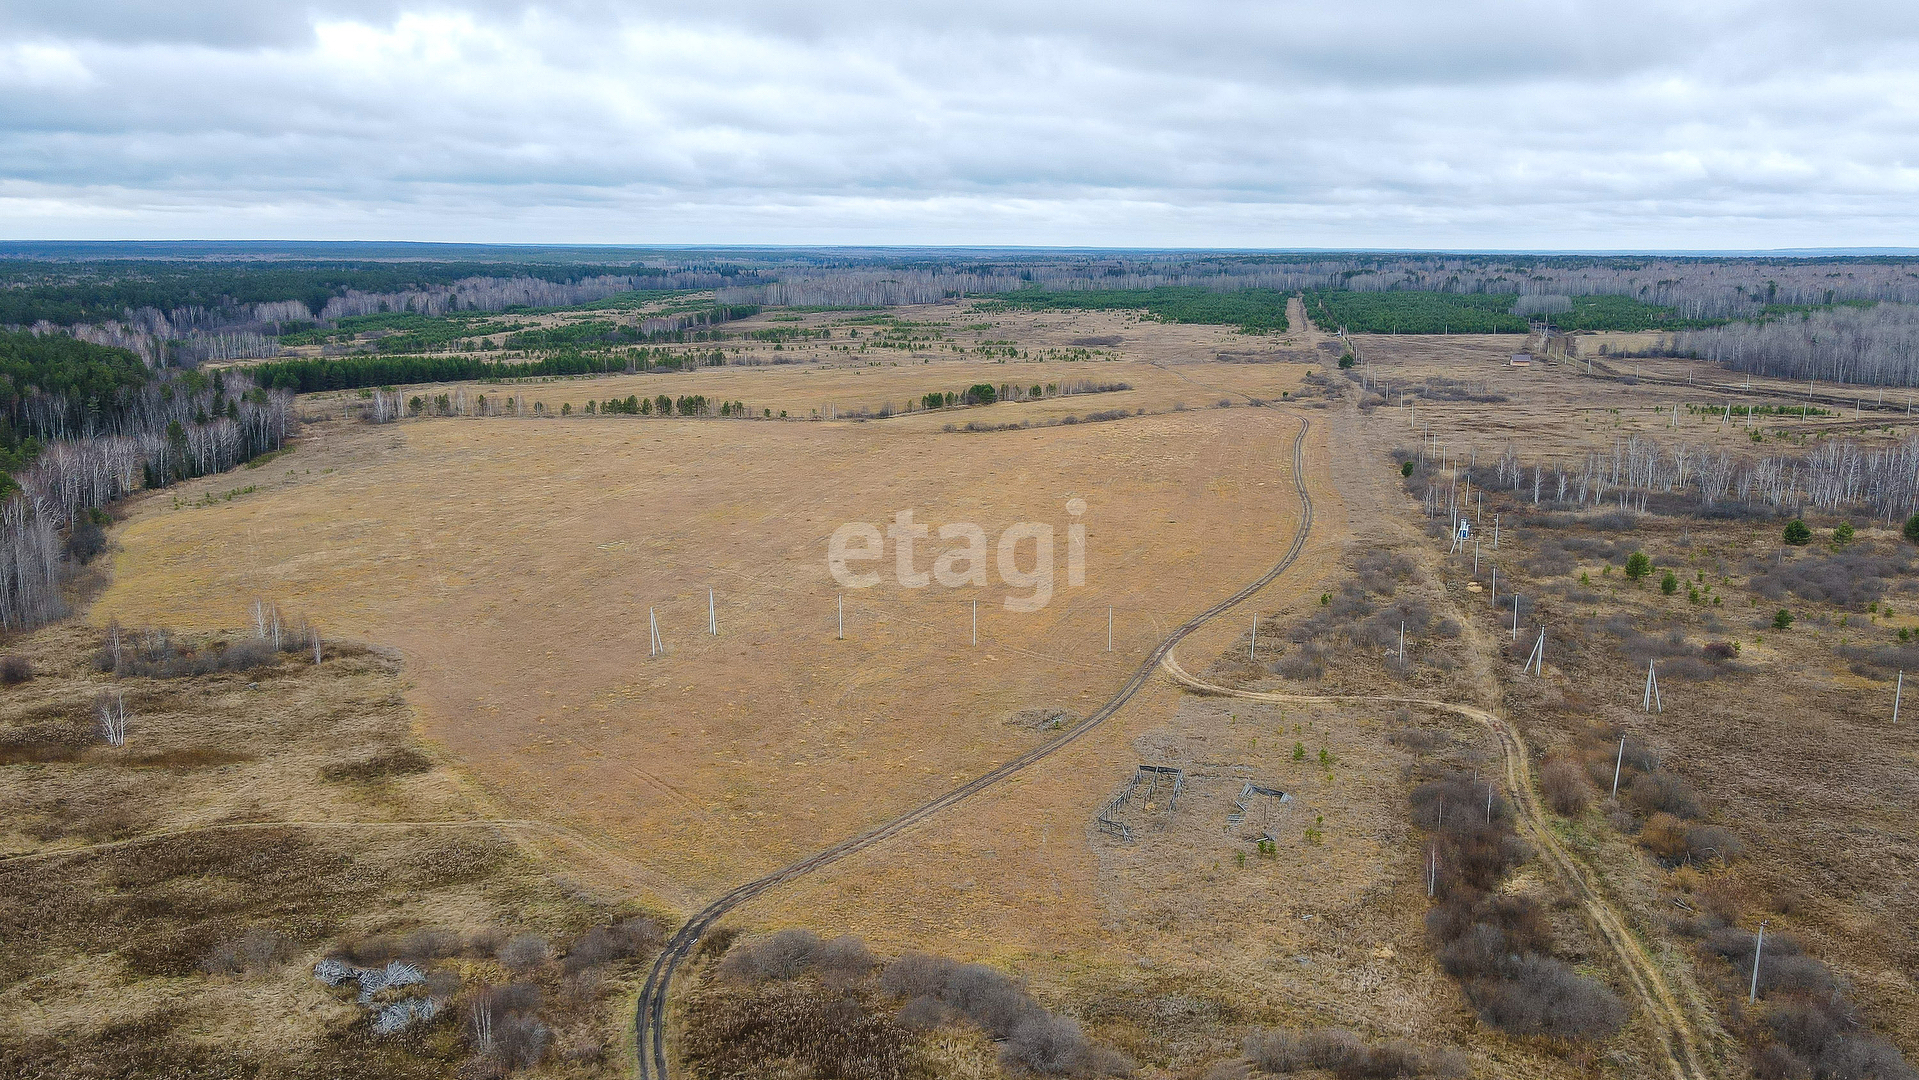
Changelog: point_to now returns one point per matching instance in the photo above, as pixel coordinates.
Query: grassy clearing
(1253, 311)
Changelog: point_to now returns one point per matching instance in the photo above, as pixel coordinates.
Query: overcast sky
(1427, 123)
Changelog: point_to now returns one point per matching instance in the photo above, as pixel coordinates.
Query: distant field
(1253, 311)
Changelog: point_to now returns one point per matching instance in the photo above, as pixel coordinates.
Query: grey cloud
(1490, 124)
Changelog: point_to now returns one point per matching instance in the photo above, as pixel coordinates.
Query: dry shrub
(600, 945)
(1664, 836)
(1662, 791)
(393, 761)
(15, 670)
(503, 1027)
(1863, 1057)
(253, 952)
(1419, 740)
(1043, 1043)
(1853, 577)
(1565, 788)
(524, 952)
(1543, 996)
(1302, 666)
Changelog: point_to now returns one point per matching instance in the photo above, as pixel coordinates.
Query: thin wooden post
(1255, 642)
(712, 617)
(976, 622)
(842, 629)
(1897, 692)
(1618, 763)
(1515, 616)
(1109, 624)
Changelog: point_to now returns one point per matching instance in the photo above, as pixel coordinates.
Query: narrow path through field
(650, 1015)
(1673, 1028)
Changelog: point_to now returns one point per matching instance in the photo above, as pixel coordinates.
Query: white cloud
(1571, 124)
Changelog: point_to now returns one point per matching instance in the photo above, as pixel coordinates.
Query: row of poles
(656, 645)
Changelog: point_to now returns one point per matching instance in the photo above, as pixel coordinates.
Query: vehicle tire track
(1672, 1027)
(650, 1013)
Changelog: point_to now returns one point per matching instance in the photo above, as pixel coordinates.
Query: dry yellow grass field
(514, 563)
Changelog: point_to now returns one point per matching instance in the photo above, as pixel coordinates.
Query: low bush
(1543, 996)
(791, 953)
(1565, 788)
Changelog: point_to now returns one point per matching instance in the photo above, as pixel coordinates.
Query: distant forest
(181, 305)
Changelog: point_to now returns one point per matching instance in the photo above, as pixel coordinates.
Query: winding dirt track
(650, 1015)
(1672, 1027)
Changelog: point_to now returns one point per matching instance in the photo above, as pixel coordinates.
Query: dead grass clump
(1419, 740)
(782, 1028)
(391, 762)
(253, 953)
(1347, 1056)
(188, 757)
(49, 737)
(15, 670)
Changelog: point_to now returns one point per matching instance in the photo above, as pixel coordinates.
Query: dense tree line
(34, 291)
(84, 424)
(354, 372)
